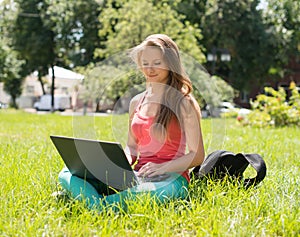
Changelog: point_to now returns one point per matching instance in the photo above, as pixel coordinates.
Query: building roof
(63, 73)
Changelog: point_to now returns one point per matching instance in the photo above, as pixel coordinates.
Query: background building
(66, 83)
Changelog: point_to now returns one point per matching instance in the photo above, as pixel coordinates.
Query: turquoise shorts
(98, 195)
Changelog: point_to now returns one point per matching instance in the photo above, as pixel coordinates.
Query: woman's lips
(152, 75)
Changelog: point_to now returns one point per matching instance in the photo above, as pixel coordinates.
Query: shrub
(230, 114)
(273, 109)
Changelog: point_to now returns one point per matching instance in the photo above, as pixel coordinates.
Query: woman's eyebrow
(157, 59)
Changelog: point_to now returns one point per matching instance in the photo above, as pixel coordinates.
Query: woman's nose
(150, 68)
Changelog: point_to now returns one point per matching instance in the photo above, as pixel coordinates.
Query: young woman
(164, 134)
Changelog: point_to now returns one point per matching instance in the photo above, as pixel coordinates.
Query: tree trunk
(52, 89)
(13, 102)
(41, 81)
(85, 105)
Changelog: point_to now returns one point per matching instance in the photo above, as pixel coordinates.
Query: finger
(142, 171)
(145, 167)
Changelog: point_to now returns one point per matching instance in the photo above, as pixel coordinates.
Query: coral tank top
(155, 150)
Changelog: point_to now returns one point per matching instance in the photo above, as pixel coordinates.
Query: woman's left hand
(151, 169)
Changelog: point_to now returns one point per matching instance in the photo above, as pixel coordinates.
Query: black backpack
(220, 163)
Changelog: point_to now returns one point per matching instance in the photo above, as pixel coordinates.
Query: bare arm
(131, 147)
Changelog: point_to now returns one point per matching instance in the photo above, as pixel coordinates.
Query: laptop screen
(94, 159)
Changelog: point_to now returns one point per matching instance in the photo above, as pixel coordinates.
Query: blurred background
(66, 54)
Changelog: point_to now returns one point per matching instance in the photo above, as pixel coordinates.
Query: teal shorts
(97, 194)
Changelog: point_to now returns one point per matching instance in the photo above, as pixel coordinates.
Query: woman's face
(153, 65)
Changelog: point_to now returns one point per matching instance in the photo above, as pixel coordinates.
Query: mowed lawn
(29, 165)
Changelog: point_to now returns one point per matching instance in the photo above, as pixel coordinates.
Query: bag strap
(259, 165)
(209, 162)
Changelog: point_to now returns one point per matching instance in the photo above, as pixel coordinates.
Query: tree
(193, 10)
(11, 65)
(239, 27)
(32, 39)
(124, 26)
(53, 32)
(284, 20)
(11, 73)
(76, 26)
(208, 90)
(4, 40)
(110, 80)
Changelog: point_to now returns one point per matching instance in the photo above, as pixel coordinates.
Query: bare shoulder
(189, 105)
(137, 98)
(134, 101)
(189, 102)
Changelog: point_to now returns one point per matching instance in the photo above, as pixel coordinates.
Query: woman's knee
(64, 175)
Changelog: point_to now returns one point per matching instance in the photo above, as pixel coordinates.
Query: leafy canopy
(128, 23)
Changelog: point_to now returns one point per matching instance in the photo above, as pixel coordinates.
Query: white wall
(4, 97)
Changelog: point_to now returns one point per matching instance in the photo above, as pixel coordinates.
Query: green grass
(29, 165)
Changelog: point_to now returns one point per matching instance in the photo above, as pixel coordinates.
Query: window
(244, 96)
(64, 90)
(30, 90)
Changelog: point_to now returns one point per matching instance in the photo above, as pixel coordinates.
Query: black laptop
(94, 159)
(100, 160)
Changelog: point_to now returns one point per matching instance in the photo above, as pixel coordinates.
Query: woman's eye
(157, 63)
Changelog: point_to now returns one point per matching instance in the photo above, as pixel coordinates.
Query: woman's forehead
(151, 53)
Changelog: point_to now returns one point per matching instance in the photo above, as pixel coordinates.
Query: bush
(230, 114)
(273, 109)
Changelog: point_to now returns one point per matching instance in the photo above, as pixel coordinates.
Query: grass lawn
(29, 165)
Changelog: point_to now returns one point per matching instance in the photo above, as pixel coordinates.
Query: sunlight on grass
(29, 166)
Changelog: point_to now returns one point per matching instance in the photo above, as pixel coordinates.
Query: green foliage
(77, 32)
(114, 78)
(230, 114)
(193, 10)
(30, 166)
(11, 66)
(74, 33)
(211, 90)
(129, 84)
(31, 38)
(128, 23)
(273, 109)
(284, 16)
(239, 27)
(117, 77)
(10, 73)
(75, 24)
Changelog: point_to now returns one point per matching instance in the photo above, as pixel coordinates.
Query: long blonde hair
(177, 78)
